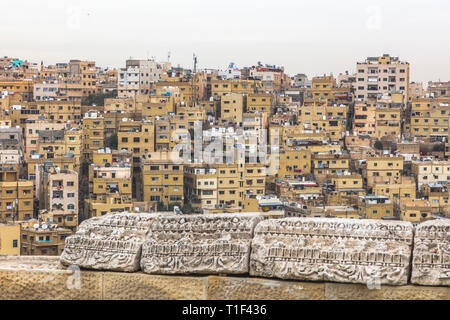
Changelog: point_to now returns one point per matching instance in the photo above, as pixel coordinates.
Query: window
(15, 244)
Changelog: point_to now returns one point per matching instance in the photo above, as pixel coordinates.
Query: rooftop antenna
(195, 63)
(168, 56)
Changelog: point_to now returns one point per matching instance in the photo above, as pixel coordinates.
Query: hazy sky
(312, 37)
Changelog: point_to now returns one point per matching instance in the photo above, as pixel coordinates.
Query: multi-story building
(31, 136)
(388, 120)
(93, 134)
(386, 169)
(375, 207)
(110, 179)
(162, 180)
(271, 77)
(11, 139)
(429, 119)
(326, 165)
(43, 239)
(414, 210)
(381, 76)
(438, 197)
(57, 144)
(330, 119)
(22, 87)
(231, 108)
(60, 111)
(58, 191)
(431, 172)
(294, 163)
(222, 87)
(137, 137)
(200, 186)
(300, 192)
(260, 103)
(100, 207)
(9, 239)
(364, 119)
(439, 89)
(45, 90)
(16, 200)
(138, 76)
(405, 189)
(346, 189)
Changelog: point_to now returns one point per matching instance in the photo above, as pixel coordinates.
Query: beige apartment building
(429, 118)
(231, 108)
(31, 134)
(381, 76)
(382, 169)
(431, 172)
(162, 180)
(59, 192)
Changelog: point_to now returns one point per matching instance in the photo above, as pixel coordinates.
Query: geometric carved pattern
(198, 244)
(431, 255)
(372, 252)
(110, 242)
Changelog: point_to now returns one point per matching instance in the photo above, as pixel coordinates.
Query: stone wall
(370, 252)
(238, 256)
(44, 278)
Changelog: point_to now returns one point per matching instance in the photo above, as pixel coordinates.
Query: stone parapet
(431, 255)
(110, 242)
(341, 250)
(197, 244)
(369, 252)
(44, 278)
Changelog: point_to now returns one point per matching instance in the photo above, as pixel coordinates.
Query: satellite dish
(36, 226)
(44, 226)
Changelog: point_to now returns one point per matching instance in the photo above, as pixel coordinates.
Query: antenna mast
(194, 87)
(195, 63)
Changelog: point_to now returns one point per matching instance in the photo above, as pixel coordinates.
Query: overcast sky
(312, 37)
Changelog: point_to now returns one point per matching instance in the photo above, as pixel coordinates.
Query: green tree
(378, 145)
(112, 141)
(439, 147)
(98, 99)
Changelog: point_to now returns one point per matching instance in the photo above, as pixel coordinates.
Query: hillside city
(79, 141)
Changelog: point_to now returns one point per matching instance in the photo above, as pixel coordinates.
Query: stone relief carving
(431, 255)
(341, 250)
(110, 242)
(371, 252)
(215, 243)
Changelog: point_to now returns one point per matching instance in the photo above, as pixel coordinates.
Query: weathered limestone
(110, 242)
(139, 286)
(44, 278)
(348, 291)
(243, 288)
(198, 244)
(38, 278)
(372, 252)
(431, 255)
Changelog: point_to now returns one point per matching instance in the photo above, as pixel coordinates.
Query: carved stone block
(431, 255)
(110, 242)
(372, 252)
(199, 244)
